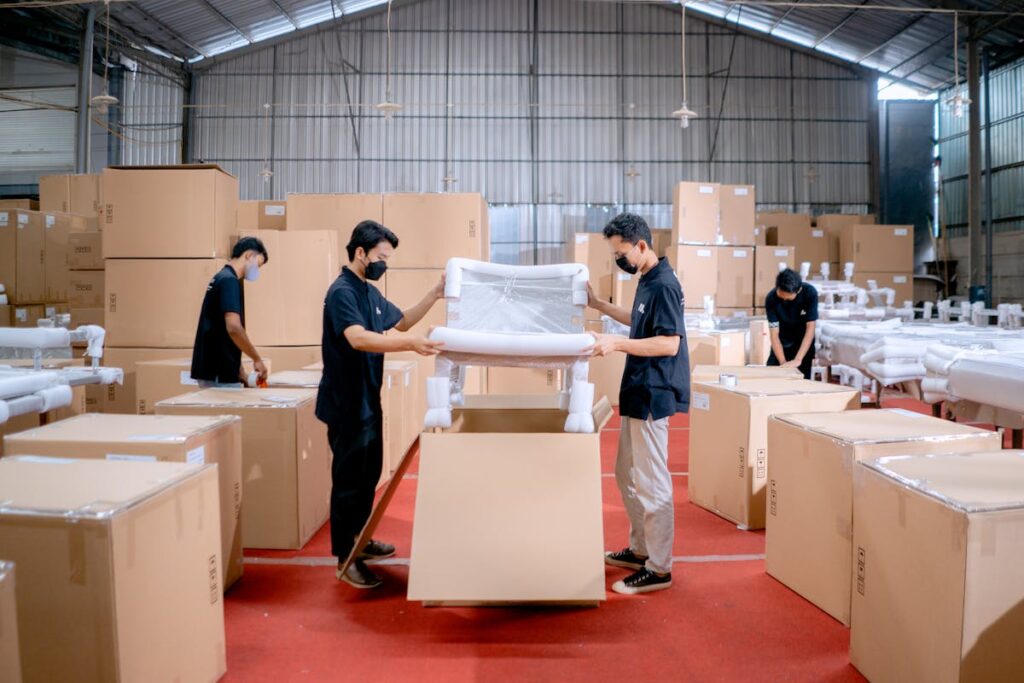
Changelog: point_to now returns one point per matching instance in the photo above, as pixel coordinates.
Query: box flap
(782, 387)
(279, 397)
(880, 426)
(171, 167)
(104, 428)
(295, 378)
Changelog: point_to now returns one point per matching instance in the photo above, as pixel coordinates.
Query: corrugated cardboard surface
(695, 212)
(285, 306)
(624, 289)
(696, 267)
(405, 288)
(76, 193)
(137, 595)
(766, 268)
(10, 657)
(533, 489)
(156, 302)
(433, 228)
(833, 224)
(716, 348)
(22, 249)
(86, 316)
(902, 283)
(937, 594)
(760, 343)
(514, 381)
(156, 380)
(809, 244)
(86, 288)
(85, 250)
(338, 212)
(22, 316)
(261, 215)
(167, 212)
(737, 214)
(164, 438)
(878, 248)
(122, 398)
(735, 277)
(729, 439)
(286, 460)
(290, 357)
(711, 373)
(810, 500)
(58, 228)
(27, 204)
(592, 250)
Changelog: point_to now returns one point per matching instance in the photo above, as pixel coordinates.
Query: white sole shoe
(621, 588)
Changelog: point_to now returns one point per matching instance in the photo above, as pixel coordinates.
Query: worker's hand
(792, 363)
(591, 299)
(261, 369)
(603, 344)
(438, 291)
(426, 347)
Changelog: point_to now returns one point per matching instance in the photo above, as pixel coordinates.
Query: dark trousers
(358, 459)
(805, 366)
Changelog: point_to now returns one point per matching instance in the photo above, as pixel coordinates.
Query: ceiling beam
(906, 27)
(783, 17)
(160, 25)
(223, 17)
(840, 25)
(284, 13)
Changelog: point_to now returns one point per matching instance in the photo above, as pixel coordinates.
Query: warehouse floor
(723, 620)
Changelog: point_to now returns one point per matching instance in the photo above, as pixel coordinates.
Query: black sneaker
(375, 550)
(625, 558)
(644, 581)
(358, 575)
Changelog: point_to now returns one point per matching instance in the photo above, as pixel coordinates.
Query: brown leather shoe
(358, 575)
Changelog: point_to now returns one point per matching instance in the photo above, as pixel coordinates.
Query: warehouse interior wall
(559, 112)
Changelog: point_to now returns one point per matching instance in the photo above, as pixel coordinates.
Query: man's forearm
(805, 345)
(241, 340)
(652, 347)
(372, 342)
(780, 355)
(413, 315)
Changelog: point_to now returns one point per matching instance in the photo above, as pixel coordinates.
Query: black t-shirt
(657, 387)
(215, 357)
(791, 317)
(349, 396)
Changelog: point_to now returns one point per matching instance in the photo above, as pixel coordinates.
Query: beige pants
(641, 471)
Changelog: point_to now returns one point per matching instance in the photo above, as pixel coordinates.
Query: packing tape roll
(727, 380)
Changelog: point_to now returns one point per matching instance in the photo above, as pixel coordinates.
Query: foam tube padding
(55, 397)
(581, 401)
(5, 413)
(34, 338)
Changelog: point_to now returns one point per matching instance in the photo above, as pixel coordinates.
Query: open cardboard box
(533, 489)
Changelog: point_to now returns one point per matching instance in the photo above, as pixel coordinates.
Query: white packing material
(19, 383)
(507, 344)
(992, 380)
(54, 397)
(34, 338)
(581, 401)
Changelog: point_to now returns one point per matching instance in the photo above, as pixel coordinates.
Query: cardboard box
(713, 347)
(295, 379)
(260, 215)
(516, 381)
(291, 357)
(22, 249)
(606, 372)
(405, 415)
(285, 307)
(136, 594)
(809, 244)
(533, 489)
(163, 438)
(810, 493)
(156, 380)
(85, 251)
(695, 213)
(285, 459)
(833, 224)
(878, 248)
(25, 316)
(711, 373)
(696, 266)
(592, 250)
(733, 312)
(25, 204)
(937, 592)
(759, 343)
(75, 193)
(156, 302)
(10, 656)
(735, 277)
(768, 261)
(729, 452)
(662, 238)
(86, 316)
(164, 212)
(405, 288)
(57, 230)
(624, 289)
(17, 424)
(87, 288)
(339, 212)
(433, 228)
(122, 398)
(901, 283)
(737, 215)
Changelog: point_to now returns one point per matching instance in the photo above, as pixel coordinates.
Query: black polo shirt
(349, 396)
(791, 317)
(657, 387)
(215, 357)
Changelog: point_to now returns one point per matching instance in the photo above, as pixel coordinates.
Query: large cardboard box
(937, 592)
(833, 224)
(695, 213)
(696, 267)
(285, 306)
(26, 204)
(85, 251)
(86, 288)
(339, 212)
(24, 316)
(119, 567)
(729, 452)
(711, 373)
(75, 193)
(737, 215)
(592, 250)
(291, 357)
(151, 438)
(22, 256)
(156, 302)
(122, 398)
(405, 288)
(606, 376)
(714, 347)
(533, 489)
(86, 316)
(759, 342)
(624, 289)
(901, 283)
(810, 493)
(517, 381)
(768, 261)
(260, 215)
(57, 230)
(404, 417)
(17, 424)
(285, 459)
(156, 380)
(735, 277)
(433, 228)
(10, 656)
(878, 248)
(163, 212)
(809, 244)
(662, 238)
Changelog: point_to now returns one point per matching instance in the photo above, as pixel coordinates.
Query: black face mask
(623, 263)
(375, 270)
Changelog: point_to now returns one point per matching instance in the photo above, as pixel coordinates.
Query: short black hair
(250, 244)
(629, 227)
(788, 281)
(367, 235)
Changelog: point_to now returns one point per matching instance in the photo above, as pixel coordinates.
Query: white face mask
(252, 271)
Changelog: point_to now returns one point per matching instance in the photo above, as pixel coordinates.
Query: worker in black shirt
(220, 336)
(356, 315)
(655, 386)
(792, 309)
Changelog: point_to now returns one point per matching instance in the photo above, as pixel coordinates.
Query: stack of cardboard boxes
(883, 254)
(22, 265)
(833, 224)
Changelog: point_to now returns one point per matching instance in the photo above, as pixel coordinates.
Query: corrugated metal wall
(150, 130)
(548, 113)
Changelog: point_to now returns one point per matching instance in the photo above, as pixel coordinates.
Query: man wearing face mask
(655, 386)
(356, 315)
(220, 338)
